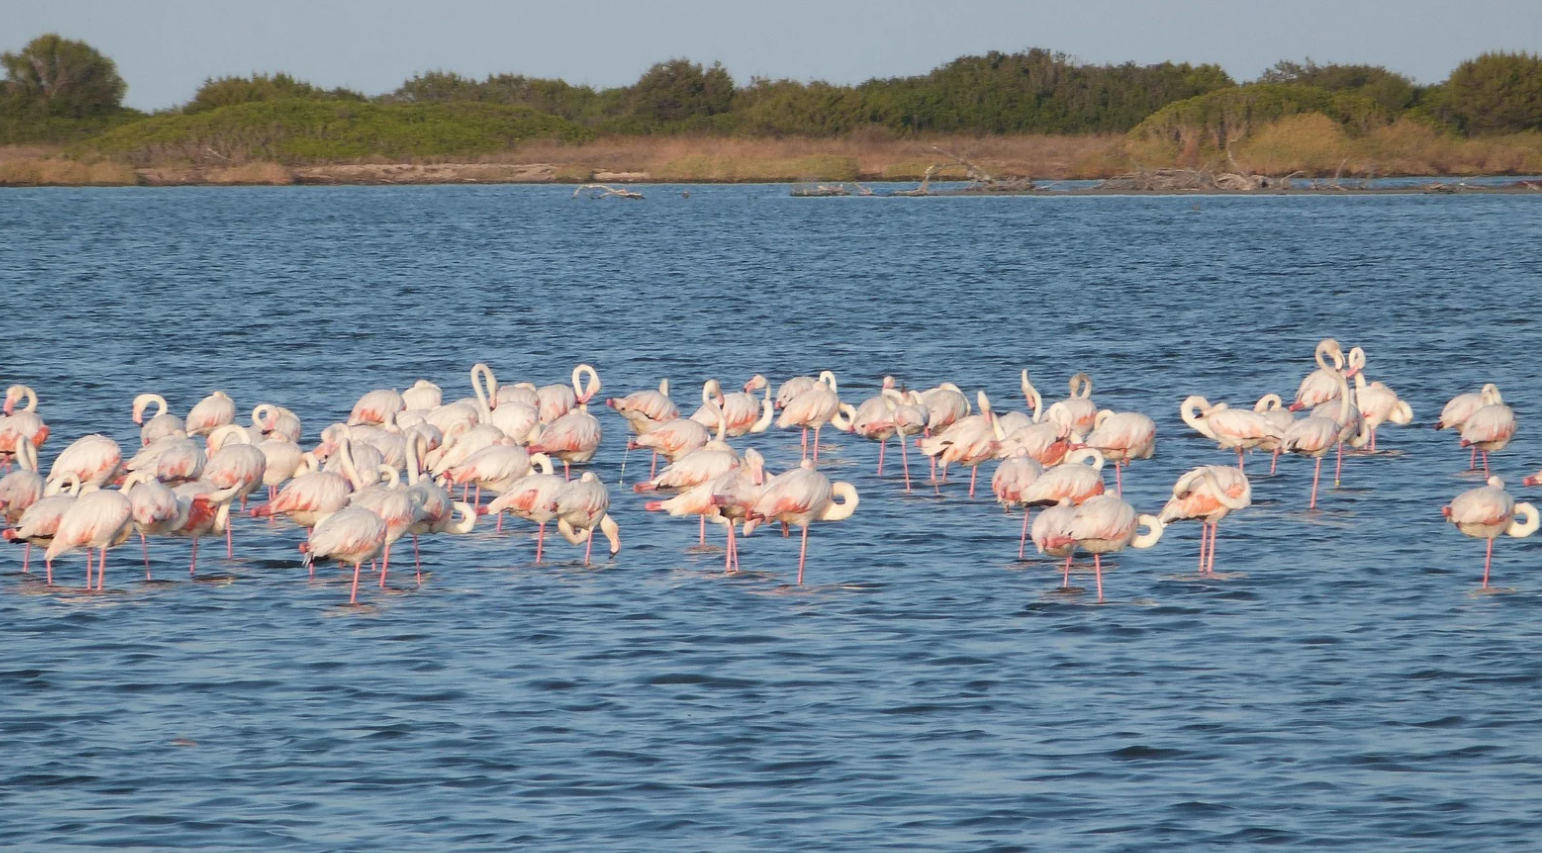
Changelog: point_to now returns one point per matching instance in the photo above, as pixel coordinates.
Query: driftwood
(980, 181)
(605, 191)
(829, 190)
(1180, 180)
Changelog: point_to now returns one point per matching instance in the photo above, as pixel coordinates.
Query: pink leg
(1210, 563)
(192, 568)
(465, 492)
(477, 501)
(1118, 480)
(1274, 462)
(48, 563)
(803, 552)
(905, 456)
(805, 444)
(145, 547)
(1316, 472)
(101, 569)
(1472, 463)
(728, 553)
(540, 539)
(1097, 566)
(653, 470)
(816, 446)
(26, 559)
(588, 546)
(1239, 459)
(1485, 463)
(882, 446)
(417, 558)
(1065, 580)
(353, 597)
(230, 550)
(1022, 543)
(385, 565)
(567, 474)
(1373, 441)
(499, 529)
(1338, 467)
(1488, 559)
(1204, 539)
(90, 578)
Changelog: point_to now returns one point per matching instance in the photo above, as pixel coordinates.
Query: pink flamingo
(746, 415)
(971, 441)
(1271, 406)
(19, 490)
(39, 522)
(581, 507)
(208, 512)
(1208, 493)
(1121, 437)
(156, 510)
(874, 419)
(726, 498)
(94, 459)
(162, 424)
(349, 535)
(436, 512)
(213, 411)
(1489, 428)
(1078, 479)
(172, 459)
(495, 467)
(422, 396)
(533, 498)
(676, 439)
(1232, 429)
(944, 405)
(101, 519)
(813, 409)
(646, 409)
(235, 462)
(792, 388)
(1321, 385)
(1486, 512)
(574, 437)
(1316, 435)
(1051, 534)
(1076, 411)
(1105, 525)
(314, 495)
(1461, 407)
(1378, 403)
(397, 506)
(20, 426)
(910, 417)
(1014, 420)
(1013, 477)
(1533, 480)
(557, 400)
(800, 497)
(377, 407)
(1047, 442)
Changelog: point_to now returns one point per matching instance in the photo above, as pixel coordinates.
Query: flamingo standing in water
(1232, 429)
(1378, 403)
(1076, 411)
(1104, 525)
(746, 415)
(573, 437)
(1012, 479)
(910, 417)
(19, 490)
(39, 522)
(1488, 511)
(396, 505)
(1051, 534)
(208, 513)
(1273, 407)
(17, 426)
(101, 519)
(1077, 479)
(800, 497)
(1461, 407)
(554, 401)
(1321, 385)
(156, 510)
(316, 494)
(1316, 435)
(1121, 437)
(1208, 493)
(162, 424)
(646, 410)
(727, 497)
(349, 535)
(533, 498)
(377, 407)
(813, 409)
(237, 464)
(93, 459)
(212, 412)
(422, 396)
(971, 440)
(874, 419)
(582, 506)
(1490, 427)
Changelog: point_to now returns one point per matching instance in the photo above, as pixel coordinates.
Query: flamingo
(162, 424)
(1208, 493)
(1014, 420)
(1490, 427)
(1012, 478)
(792, 388)
(581, 507)
(95, 459)
(101, 519)
(277, 423)
(1051, 534)
(557, 400)
(971, 441)
(800, 497)
(172, 459)
(1316, 435)
(314, 495)
(1076, 411)
(1273, 407)
(910, 417)
(156, 510)
(349, 535)
(696, 467)
(725, 497)
(676, 439)
(516, 418)
(1106, 524)
(377, 407)
(19, 490)
(422, 396)
(573, 437)
(462, 446)
(1232, 429)
(1121, 437)
(533, 498)
(1486, 512)
(435, 511)
(1078, 479)
(1047, 442)
(397, 506)
(24, 425)
(1461, 407)
(208, 512)
(646, 409)
(1378, 403)
(215, 410)
(235, 464)
(39, 522)
(1533, 480)
(495, 468)
(814, 408)
(1321, 385)
(745, 414)
(944, 404)
(874, 419)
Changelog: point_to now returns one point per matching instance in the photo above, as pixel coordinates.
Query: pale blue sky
(165, 48)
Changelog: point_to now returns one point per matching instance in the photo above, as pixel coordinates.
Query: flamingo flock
(392, 468)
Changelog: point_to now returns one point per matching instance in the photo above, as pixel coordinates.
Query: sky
(166, 48)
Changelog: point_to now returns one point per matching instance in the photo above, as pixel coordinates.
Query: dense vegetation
(60, 91)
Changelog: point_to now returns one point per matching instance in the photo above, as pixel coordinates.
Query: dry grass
(252, 174)
(51, 172)
(1311, 143)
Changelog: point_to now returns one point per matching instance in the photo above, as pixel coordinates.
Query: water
(1346, 688)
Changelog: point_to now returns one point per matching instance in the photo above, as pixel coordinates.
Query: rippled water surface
(1343, 687)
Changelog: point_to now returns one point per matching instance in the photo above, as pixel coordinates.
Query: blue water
(1345, 687)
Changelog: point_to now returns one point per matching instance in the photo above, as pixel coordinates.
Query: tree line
(60, 90)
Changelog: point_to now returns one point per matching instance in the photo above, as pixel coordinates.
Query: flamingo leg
(973, 474)
(816, 446)
(477, 501)
(1373, 441)
(1097, 566)
(653, 469)
(1239, 459)
(1204, 539)
(417, 559)
(1338, 467)
(499, 528)
(1022, 543)
(1215, 528)
(1316, 472)
(566, 473)
(1274, 462)
(90, 578)
(48, 562)
(26, 559)
(230, 550)
(145, 547)
(1472, 463)
(385, 564)
(192, 568)
(353, 597)
(904, 455)
(1485, 463)
(1065, 580)
(589, 546)
(803, 553)
(1488, 559)
(101, 568)
(540, 539)
(1118, 480)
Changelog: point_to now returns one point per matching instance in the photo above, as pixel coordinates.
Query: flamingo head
(1296, 406)
(1533, 480)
